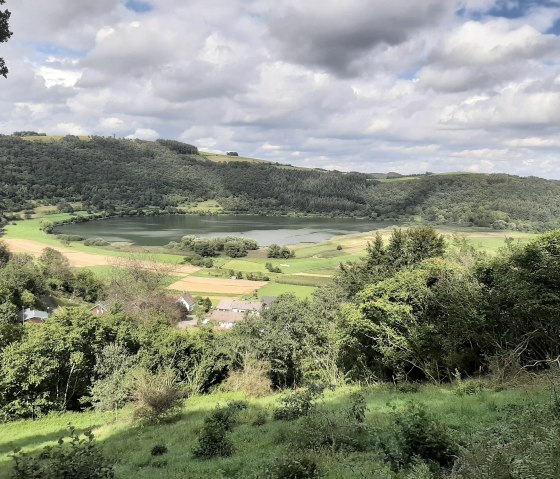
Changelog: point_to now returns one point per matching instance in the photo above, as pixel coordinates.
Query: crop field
(313, 266)
(217, 285)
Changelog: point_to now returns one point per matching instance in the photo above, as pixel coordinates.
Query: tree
(108, 392)
(5, 34)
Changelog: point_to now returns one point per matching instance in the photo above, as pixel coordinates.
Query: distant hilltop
(121, 176)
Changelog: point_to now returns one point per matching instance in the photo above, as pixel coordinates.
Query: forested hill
(124, 175)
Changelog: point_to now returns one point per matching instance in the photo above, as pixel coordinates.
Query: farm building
(33, 316)
(225, 319)
(101, 308)
(239, 306)
(187, 302)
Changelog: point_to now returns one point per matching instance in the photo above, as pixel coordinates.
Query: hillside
(116, 174)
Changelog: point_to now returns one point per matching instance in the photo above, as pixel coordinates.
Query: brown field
(217, 285)
(81, 260)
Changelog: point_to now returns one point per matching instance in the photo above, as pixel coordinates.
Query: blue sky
(368, 85)
(139, 6)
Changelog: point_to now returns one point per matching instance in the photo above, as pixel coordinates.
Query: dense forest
(107, 174)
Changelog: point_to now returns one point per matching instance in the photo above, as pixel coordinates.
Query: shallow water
(160, 230)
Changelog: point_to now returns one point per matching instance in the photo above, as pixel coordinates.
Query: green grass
(228, 159)
(255, 447)
(50, 139)
(31, 230)
(276, 289)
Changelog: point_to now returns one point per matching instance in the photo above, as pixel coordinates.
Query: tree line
(117, 176)
(414, 308)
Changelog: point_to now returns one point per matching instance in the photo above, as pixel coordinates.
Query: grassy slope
(255, 447)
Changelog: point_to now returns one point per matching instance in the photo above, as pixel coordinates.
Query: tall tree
(4, 35)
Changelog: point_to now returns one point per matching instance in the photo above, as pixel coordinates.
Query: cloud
(335, 35)
(366, 85)
(144, 134)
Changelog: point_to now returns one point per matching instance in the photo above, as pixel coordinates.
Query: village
(194, 312)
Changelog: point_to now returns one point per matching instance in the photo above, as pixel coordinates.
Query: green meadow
(256, 447)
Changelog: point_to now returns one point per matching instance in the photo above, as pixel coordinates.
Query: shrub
(302, 467)
(96, 242)
(469, 387)
(339, 429)
(158, 450)
(214, 440)
(63, 237)
(253, 379)
(77, 458)
(407, 387)
(299, 403)
(421, 435)
(156, 395)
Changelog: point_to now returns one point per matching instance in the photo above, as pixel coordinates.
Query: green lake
(160, 230)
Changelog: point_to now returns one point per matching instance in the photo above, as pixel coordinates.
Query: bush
(156, 395)
(96, 242)
(253, 379)
(62, 237)
(421, 435)
(158, 450)
(469, 387)
(214, 440)
(75, 459)
(339, 429)
(302, 467)
(408, 387)
(299, 403)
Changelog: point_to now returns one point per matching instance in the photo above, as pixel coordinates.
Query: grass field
(48, 138)
(312, 266)
(256, 447)
(228, 159)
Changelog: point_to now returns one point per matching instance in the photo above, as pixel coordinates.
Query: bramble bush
(214, 440)
(78, 458)
(299, 403)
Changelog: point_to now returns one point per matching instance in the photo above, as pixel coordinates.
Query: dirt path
(80, 259)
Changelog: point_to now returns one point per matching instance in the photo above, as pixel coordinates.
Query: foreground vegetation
(496, 434)
(416, 309)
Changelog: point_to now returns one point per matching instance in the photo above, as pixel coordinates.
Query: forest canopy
(108, 174)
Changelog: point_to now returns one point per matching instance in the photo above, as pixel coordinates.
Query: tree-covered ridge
(113, 174)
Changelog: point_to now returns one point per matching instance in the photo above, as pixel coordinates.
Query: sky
(354, 85)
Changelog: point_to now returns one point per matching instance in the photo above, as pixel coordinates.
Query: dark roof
(268, 300)
(188, 298)
(227, 317)
(231, 304)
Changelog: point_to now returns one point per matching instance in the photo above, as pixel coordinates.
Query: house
(33, 316)
(187, 301)
(239, 306)
(225, 319)
(267, 301)
(101, 308)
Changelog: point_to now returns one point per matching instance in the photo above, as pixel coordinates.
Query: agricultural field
(313, 265)
(217, 157)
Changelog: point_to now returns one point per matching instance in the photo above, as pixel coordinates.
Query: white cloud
(356, 85)
(144, 134)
